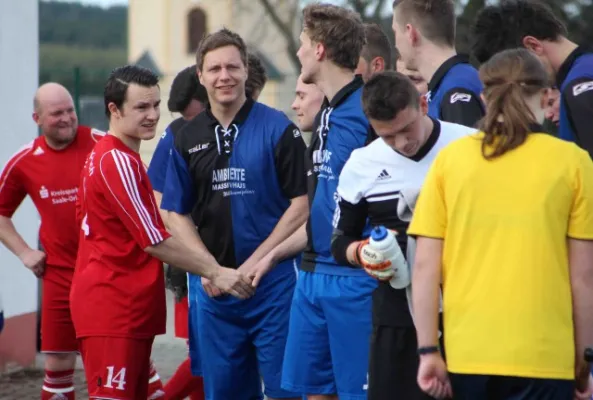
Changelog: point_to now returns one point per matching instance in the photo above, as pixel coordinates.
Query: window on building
(196, 29)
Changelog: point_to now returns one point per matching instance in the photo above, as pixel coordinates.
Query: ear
(114, 110)
(423, 105)
(319, 51)
(377, 65)
(36, 118)
(412, 34)
(200, 76)
(534, 45)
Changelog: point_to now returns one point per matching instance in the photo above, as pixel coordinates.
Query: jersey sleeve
(133, 202)
(578, 98)
(461, 106)
(430, 213)
(290, 162)
(178, 192)
(351, 212)
(12, 189)
(580, 224)
(157, 170)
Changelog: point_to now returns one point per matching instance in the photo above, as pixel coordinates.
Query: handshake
(382, 258)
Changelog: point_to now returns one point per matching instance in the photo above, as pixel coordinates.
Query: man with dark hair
(531, 24)
(330, 318)
(376, 55)
(189, 98)
(425, 37)
(237, 174)
(306, 105)
(372, 186)
(117, 298)
(256, 77)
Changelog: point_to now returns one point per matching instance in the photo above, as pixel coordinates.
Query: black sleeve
(351, 220)
(578, 98)
(290, 162)
(462, 107)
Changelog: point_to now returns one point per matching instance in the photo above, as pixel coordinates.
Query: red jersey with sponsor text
(118, 289)
(51, 178)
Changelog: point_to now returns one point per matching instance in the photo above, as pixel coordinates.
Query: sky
(102, 3)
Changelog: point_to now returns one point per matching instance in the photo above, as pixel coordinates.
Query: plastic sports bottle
(383, 241)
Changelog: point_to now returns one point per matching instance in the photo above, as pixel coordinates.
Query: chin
(147, 134)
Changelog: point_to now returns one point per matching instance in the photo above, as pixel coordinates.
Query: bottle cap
(378, 233)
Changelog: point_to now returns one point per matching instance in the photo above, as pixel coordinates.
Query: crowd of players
(282, 285)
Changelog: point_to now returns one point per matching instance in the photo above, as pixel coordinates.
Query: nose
(224, 74)
(294, 105)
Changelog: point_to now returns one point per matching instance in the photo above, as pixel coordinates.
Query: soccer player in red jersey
(118, 294)
(48, 170)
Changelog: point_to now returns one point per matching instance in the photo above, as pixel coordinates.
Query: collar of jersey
(567, 64)
(239, 118)
(343, 93)
(442, 71)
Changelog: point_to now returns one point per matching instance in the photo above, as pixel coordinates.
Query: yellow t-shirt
(505, 222)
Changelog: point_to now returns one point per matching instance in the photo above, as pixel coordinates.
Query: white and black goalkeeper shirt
(369, 189)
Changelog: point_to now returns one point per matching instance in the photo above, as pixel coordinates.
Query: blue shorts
(192, 320)
(243, 342)
(329, 336)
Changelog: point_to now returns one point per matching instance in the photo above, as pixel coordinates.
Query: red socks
(155, 385)
(183, 384)
(58, 385)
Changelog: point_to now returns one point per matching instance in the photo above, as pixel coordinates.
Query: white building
(19, 74)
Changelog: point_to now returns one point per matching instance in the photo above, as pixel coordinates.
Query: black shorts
(489, 387)
(393, 365)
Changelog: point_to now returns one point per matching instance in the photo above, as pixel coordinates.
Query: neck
(558, 51)
(131, 142)
(428, 126)
(57, 145)
(332, 79)
(431, 58)
(225, 114)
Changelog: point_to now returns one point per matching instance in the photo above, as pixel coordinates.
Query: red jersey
(51, 178)
(118, 289)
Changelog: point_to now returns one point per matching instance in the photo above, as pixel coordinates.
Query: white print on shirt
(59, 196)
(582, 87)
(465, 97)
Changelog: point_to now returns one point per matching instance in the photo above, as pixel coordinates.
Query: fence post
(77, 90)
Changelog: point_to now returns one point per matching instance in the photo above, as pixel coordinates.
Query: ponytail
(507, 121)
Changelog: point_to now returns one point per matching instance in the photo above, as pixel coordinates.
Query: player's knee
(60, 361)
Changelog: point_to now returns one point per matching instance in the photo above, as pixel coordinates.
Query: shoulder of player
(22, 154)
(275, 119)
(191, 131)
(578, 85)
(112, 159)
(367, 157)
(451, 131)
(90, 132)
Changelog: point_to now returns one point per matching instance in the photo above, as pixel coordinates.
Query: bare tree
(287, 22)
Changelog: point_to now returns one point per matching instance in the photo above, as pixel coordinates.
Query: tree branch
(285, 28)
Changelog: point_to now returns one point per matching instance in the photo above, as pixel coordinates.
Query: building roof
(147, 61)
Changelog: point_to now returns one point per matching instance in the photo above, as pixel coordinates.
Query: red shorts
(57, 330)
(116, 368)
(181, 316)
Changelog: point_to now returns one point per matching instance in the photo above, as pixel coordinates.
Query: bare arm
(293, 218)
(426, 283)
(182, 227)
(11, 238)
(291, 246)
(580, 254)
(158, 196)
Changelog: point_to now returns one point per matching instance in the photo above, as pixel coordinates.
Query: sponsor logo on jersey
(163, 134)
(43, 192)
(428, 96)
(231, 181)
(198, 147)
(383, 175)
(296, 133)
(38, 151)
(582, 88)
(465, 97)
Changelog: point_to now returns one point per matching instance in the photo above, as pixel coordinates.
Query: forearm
(581, 279)
(295, 244)
(11, 238)
(158, 196)
(183, 228)
(189, 258)
(294, 217)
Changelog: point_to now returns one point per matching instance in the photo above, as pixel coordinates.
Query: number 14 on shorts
(115, 379)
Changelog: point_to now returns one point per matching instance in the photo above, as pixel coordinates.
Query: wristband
(427, 350)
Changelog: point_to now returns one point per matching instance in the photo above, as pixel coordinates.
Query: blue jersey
(236, 182)
(340, 127)
(575, 81)
(454, 92)
(157, 170)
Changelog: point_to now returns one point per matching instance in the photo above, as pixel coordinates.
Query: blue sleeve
(178, 193)
(157, 170)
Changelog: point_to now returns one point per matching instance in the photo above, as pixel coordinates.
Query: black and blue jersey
(157, 169)
(236, 182)
(339, 128)
(575, 81)
(454, 92)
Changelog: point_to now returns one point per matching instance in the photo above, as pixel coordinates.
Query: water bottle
(384, 241)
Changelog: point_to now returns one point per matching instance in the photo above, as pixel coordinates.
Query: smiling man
(306, 104)
(237, 174)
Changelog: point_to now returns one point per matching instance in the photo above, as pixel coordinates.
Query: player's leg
(347, 305)
(231, 368)
(116, 368)
(155, 385)
(58, 337)
(393, 365)
(307, 366)
(268, 318)
(183, 384)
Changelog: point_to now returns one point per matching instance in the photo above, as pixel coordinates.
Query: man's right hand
(34, 260)
(233, 282)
